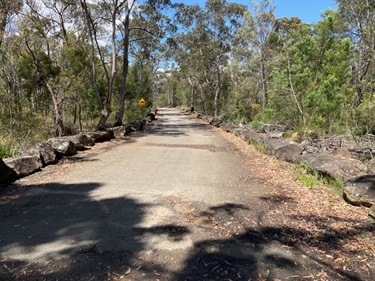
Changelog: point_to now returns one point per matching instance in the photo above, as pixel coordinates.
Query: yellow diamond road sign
(142, 102)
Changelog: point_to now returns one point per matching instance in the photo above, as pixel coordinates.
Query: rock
(216, 122)
(253, 137)
(127, 129)
(229, 128)
(284, 149)
(150, 117)
(86, 139)
(360, 191)
(272, 128)
(137, 125)
(238, 132)
(81, 141)
(277, 135)
(100, 136)
(23, 165)
(336, 167)
(63, 147)
(371, 165)
(199, 116)
(45, 152)
(372, 211)
(205, 118)
(7, 174)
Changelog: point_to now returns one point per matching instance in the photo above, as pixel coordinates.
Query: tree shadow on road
(283, 252)
(61, 232)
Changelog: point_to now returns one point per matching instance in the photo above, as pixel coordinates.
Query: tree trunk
(264, 82)
(58, 114)
(93, 56)
(3, 23)
(217, 91)
(80, 117)
(111, 78)
(125, 69)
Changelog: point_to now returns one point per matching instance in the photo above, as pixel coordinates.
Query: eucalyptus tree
(101, 19)
(7, 9)
(359, 18)
(48, 34)
(141, 34)
(204, 46)
(254, 40)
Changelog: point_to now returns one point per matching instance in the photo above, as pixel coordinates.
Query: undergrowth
(8, 150)
(258, 146)
(310, 178)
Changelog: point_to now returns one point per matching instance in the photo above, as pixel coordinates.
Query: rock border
(334, 166)
(53, 150)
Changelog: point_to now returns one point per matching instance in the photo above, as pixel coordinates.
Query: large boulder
(372, 211)
(216, 122)
(63, 147)
(137, 125)
(23, 165)
(150, 117)
(335, 167)
(229, 128)
(100, 136)
(272, 128)
(45, 152)
(206, 118)
(127, 129)
(81, 141)
(6, 173)
(360, 191)
(284, 149)
(253, 137)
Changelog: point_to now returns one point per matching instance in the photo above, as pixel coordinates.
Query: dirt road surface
(178, 202)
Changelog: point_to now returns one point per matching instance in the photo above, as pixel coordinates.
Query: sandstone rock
(127, 129)
(63, 147)
(6, 173)
(284, 149)
(372, 211)
(23, 165)
(100, 136)
(85, 139)
(251, 136)
(229, 128)
(238, 132)
(81, 140)
(137, 125)
(272, 128)
(277, 135)
(205, 118)
(335, 167)
(45, 152)
(151, 117)
(360, 191)
(371, 165)
(216, 122)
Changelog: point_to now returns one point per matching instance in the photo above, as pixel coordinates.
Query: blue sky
(308, 11)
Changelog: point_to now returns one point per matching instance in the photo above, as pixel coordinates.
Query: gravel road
(175, 203)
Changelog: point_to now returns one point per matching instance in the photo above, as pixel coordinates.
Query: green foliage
(311, 178)
(307, 176)
(7, 149)
(134, 111)
(258, 146)
(268, 115)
